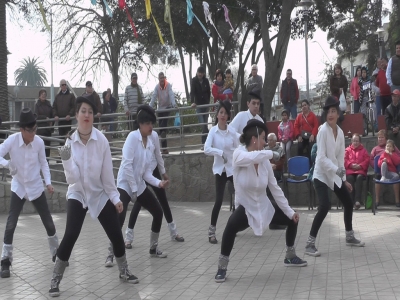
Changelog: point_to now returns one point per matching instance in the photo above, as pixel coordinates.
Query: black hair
(42, 91)
(289, 70)
(30, 125)
(144, 116)
(216, 114)
(306, 101)
(219, 72)
(104, 95)
(255, 131)
(366, 72)
(397, 43)
(358, 68)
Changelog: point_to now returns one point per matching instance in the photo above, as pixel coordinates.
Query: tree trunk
(274, 62)
(183, 71)
(4, 111)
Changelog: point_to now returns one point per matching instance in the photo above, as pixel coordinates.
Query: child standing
(286, 133)
(388, 162)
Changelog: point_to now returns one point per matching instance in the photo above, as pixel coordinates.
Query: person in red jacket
(218, 87)
(388, 162)
(384, 88)
(355, 89)
(356, 163)
(305, 129)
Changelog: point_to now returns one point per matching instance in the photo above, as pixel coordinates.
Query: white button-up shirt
(250, 188)
(222, 142)
(29, 160)
(330, 156)
(240, 120)
(89, 172)
(156, 158)
(135, 167)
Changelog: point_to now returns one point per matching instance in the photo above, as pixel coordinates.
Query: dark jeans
(385, 101)
(163, 123)
(202, 116)
(63, 131)
(378, 104)
(343, 195)
(356, 181)
(76, 214)
(131, 119)
(16, 205)
(238, 222)
(292, 109)
(220, 182)
(304, 145)
(356, 106)
(162, 198)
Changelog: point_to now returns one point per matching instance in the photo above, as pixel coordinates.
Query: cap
(396, 92)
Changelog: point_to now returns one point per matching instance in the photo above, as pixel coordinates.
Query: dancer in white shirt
(88, 169)
(221, 141)
(241, 119)
(27, 159)
(329, 173)
(252, 174)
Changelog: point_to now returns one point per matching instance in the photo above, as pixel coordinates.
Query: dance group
(239, 157)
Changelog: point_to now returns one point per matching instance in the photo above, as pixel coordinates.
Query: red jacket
(301, 124)
(355, 88)
(217, 93)
(358, 156)
(378, 150)
(381, 83)
(392, 161)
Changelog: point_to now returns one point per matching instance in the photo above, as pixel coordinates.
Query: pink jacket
(392, 161)
(356, 156)
(285, 131)
(378, 150)
(355, 88)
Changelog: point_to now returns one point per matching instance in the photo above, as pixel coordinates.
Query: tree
(30, 73)
(4, 111)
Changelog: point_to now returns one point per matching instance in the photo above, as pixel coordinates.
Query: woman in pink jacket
(286, 133)
(356, 162)
(355, 90)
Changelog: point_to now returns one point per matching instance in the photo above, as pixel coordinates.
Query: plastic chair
(299, 166)
(377, 171)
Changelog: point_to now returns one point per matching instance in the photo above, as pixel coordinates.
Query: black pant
(385, 101)
(238, 222)
(162, 198)
(149, 202)
(304, 145)
(16, 205)
(163, 123)
(63, 131)
(356, 181)
(343, 195)
(76, 214)
(220, 182)
(47, 145)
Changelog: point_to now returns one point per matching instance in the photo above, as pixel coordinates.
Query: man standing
(133, 98)
(113, 108)
(392, 118)
(255, 84)
(240, 120)
(381, 83)
(91, 94)
(393, 70)
(64, 107)
(200, 94)
(290, 94)
(166, 99)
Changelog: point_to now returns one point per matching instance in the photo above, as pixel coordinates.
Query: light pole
(380, 33)
(305, 10)
(51, 58)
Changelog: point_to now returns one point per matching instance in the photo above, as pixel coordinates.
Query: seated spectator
(378, 150)
(278, 159)
(286, 133)
(388, 162)
(356, 162)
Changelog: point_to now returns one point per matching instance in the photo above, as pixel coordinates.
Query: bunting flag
(226, 13)
(150, 13)
(122, 5)
(44, 16)
(208, 16)
(168, 19)
(93, 2)
(109, 11)
(190, 15)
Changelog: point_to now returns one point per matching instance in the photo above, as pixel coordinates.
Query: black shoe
(5, 268)
(277, 227)
(221, 276)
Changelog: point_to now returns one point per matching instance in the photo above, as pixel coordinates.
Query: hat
(26, 117)
(396, 92)
(254, 67)
(329, 102)
(227, 105)
(88, 100)
(254, 95)
(134, 75)
(255, 123)
(88, 83)
(148, 109)
(201, 70)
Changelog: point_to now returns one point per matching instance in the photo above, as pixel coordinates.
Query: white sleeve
(71, 169)
(208, 145)
(157, 153)
(128, 155)
(322, 159)
(243, 158)
(44, 165)
(107, 175)
(236, 123)
(5, 148)
(149, 178)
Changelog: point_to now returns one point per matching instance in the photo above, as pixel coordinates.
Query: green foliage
(30, 73)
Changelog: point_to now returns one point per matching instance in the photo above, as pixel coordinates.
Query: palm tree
(30, 73)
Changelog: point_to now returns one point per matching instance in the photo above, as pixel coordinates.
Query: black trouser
(16, 205)
(238, 222)
(385, 101)
(63, 131)
(76, 214)
(220, 182)
(356, 181)
(149, 202)
(163, 123)
(343, 195)
(304, 145)
(47, 145)
(162, 198)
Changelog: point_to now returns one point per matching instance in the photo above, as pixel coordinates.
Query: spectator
(90, 93)
(339, 80)
(365, 94)
(133, 98)
(388, 162)
(255, 84)
(286, 133)
(114, 108)
(392, 118)
(229, 85)
(305, 129)
(356, 163)
(376, 90)
(200, 95)
(278, 158)
(378, 150)
(166, 99)
(241, 119)
(393, 70)
(355, 89)
(44, 111)
(384, 88)
(106, 110)
(64, 107)
(218, 87)
(290, 94)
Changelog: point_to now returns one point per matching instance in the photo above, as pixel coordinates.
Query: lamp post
(380, 33)
(51, 58)
(305, 10)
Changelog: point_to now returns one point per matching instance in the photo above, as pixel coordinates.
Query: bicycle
(370, 117)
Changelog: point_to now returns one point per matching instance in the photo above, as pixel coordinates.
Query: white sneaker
(109, 261)
(383, 179)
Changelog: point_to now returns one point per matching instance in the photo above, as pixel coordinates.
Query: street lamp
(380, 33)
(305, 10)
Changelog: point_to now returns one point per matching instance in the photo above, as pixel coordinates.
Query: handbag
(342, 102)
(177, 121)
(305, 134)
